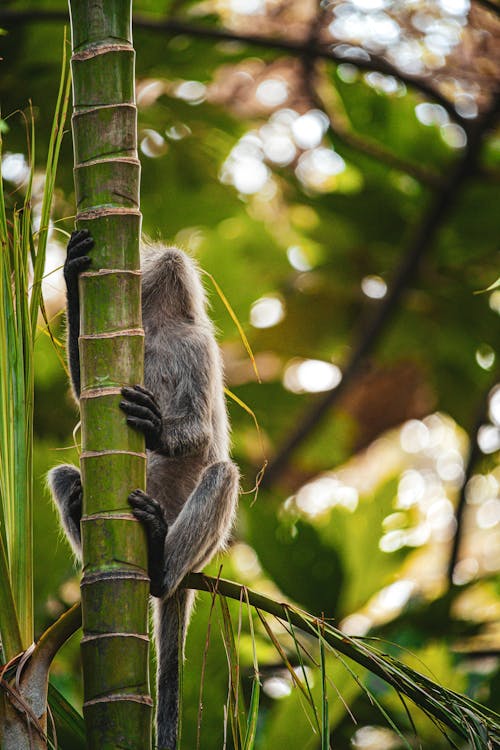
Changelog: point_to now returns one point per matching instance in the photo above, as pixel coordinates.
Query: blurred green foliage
(330, 563)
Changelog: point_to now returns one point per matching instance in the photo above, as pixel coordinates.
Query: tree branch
(421, 243)
(380, 153)
(474, 455)
(489, 5)
(340, 127)
(324, 52)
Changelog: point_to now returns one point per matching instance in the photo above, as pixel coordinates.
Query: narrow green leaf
(253, 715)
(237, 323)
(70, 732)
(325, 724)
(235, 705)
(253, 712)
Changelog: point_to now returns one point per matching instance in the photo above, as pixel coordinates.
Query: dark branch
(380, 153)
(472, 458)
(339, 127)
(406, 274)
(324, 52)
(489, 5)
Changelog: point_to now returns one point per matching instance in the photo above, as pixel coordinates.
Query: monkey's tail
(171, 620)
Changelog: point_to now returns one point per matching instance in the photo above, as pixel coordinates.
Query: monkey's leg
(203, 525)
(171, 621)
(199, 530)
(66, 487)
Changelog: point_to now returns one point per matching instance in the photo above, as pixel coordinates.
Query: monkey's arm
(77, 261)
(201, 528)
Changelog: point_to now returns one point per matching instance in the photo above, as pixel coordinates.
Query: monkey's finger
(139, 405)
(141, 503)
(82, 246)
(149, 506)
(142, 499)
(141, 397)
(77, 235)
(144, 516)
(138, 494)
(150, 428)
(141, 389)
(143, 412)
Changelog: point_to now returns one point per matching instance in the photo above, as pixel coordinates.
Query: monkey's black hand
(77, 260)
(148, 511)
(75, 502)
(143, 414)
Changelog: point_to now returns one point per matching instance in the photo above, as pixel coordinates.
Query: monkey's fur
(192, 485)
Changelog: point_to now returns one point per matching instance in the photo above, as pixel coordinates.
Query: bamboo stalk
(117, 705)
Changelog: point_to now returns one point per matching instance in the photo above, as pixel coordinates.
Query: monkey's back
(183, 369)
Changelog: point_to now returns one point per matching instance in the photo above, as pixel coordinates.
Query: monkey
(191, 493)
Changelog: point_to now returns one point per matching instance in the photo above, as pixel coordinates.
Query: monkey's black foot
(149, 512)
(75, 502)
(143, 414)
(77, 260)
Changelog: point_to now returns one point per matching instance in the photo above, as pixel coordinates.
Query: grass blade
(325, 723)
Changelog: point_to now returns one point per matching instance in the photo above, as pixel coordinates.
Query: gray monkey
(192, 486)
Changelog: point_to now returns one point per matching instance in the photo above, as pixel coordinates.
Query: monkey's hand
(148, 511)
(143, 414)
(75, 502)
(77, 260)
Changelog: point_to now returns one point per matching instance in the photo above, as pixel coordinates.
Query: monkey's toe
(79, 243)
(141, 397)
(148, 510)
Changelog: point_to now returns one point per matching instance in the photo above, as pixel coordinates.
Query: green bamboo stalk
(117, 705)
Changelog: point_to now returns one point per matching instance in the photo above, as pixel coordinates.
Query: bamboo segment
(121, 349)
(103, 476)
(112, 128)
(110, 182)
(116, 723)
(102, 418)
(103, 77)
(103, 536)
(94, 23)
(112, 231)
(115, 586)
(116, 286)
(131, 589)
(115, 650)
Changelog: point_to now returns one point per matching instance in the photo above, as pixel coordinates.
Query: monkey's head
(171, 284)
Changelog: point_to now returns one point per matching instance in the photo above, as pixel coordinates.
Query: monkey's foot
(149, 512)
(77, 259)
(143, 414)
